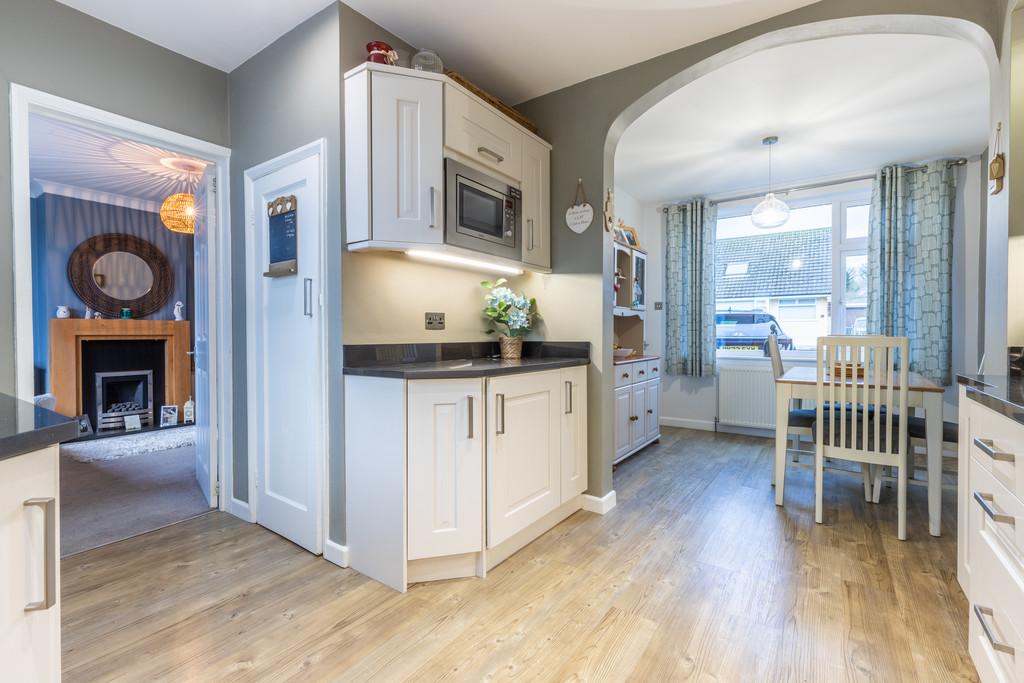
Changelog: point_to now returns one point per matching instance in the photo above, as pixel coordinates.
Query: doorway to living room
(120, 236)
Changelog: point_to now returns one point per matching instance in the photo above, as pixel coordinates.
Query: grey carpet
(107, 501)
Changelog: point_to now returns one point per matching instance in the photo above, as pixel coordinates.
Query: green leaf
(488, 284)
(500, 281)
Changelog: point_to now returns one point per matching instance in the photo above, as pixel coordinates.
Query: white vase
(63, 312)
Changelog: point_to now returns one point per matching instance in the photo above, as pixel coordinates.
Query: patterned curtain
(690, 289)
(910, 264)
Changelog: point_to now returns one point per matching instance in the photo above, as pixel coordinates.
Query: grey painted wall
(584, 147)
(59, 225)
(282, 98)
(51, 47)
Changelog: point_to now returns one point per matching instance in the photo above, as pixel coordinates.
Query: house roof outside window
(779, 264)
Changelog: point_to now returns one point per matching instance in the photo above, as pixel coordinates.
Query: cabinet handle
(568, 389)
(433, 209)
(529, 222)
(985, 500)
(469, 417)
(491, 153)
(625, 375)
(641, 373)
(988, 447)
(49, 508)
(307, 297)
(981, 613)
(650, 412)
(499, 408)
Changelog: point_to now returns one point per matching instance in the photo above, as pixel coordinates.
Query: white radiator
(746, 395)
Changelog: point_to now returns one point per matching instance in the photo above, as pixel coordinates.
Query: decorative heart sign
(579, 217)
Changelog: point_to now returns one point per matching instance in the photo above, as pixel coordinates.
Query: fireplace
(120, 394)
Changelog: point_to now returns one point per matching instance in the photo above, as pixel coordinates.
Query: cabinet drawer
(997, 444)
(996, 514)
(654, 368)
(480, 134)
(625, 374)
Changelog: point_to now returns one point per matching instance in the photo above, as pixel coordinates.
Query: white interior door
(205, 223)
(287, 379)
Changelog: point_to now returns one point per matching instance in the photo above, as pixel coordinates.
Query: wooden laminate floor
(696, 575)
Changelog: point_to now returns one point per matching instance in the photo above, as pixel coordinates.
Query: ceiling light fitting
(771, 212)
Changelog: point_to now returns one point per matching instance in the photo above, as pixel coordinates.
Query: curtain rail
(816, 186)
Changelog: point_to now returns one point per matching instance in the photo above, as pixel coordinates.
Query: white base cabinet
(30, 567)
(447, 477)
(637, 405)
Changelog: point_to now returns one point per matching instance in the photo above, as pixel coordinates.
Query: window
(801, 281)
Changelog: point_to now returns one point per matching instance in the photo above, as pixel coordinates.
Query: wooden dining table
(802, 383)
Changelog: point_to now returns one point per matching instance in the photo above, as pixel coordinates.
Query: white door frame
(253, 276)
(26, 101)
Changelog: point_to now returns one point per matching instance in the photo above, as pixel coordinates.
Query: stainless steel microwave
(483, 213)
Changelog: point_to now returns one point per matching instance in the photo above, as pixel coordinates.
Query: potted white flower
(510, 312)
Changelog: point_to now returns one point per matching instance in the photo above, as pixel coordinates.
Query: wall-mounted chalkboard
(283, 226)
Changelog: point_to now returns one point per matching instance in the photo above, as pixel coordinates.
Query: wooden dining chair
(872, 372)
(800, 420)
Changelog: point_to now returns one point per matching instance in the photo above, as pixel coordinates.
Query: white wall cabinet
(536, 188)
(447, 477)
(637, 405)
(393, 139)
(446, 451)
(482, 135)
(30, 567)
(523, 452)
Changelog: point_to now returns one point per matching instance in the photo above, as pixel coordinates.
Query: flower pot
(511, 348)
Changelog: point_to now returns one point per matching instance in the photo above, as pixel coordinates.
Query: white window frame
(840, 197)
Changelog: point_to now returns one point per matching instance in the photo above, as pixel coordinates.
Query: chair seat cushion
(805, 417)
(850, 441)
(916, 429)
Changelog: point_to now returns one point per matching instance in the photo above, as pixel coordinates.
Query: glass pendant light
(771, 212)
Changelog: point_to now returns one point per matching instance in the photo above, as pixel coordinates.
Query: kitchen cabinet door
(637, 423)
(30, 567)
(445, 467)
(574, 432)
(481, 135)
(536, 187)
(623, 421)
(652, 410)
(523, 451)
(407, 169)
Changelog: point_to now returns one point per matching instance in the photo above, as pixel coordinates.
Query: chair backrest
(773, 352)
(871, 372)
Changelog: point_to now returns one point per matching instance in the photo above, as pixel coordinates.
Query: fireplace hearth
(124, 393)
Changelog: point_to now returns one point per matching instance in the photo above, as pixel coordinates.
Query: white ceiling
(523, 49)
(220, 33)
(75, 158)
(839, 106)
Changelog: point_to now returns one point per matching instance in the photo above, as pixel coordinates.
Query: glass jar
(427, 60)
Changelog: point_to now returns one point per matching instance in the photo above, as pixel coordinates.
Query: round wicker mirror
(105, 268)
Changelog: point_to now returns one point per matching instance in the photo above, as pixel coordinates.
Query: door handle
(433, 207)
(307, 297)
(499, 409)
(49, 508)
(982, 613)
(491, 153)
(530, 223)
(988, 447)
(469, 417)
(568, 388)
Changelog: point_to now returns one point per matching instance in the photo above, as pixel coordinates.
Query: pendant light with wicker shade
(178, 213)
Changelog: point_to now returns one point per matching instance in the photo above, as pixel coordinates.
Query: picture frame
(168, 416)
(630, 236)
(84, 425)
(618, 235)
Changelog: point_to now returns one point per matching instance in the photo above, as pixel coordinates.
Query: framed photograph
(619, 235)
(168, 416)
(84, 425)
(630, 235)
(132, 423)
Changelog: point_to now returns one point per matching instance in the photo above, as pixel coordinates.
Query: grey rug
(128, 445)
(110, 500)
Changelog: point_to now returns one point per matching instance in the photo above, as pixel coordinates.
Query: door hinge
(213, 183)
(216, 489)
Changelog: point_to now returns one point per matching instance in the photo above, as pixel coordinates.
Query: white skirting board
(704, 425)
(599, 505)
(336, 553)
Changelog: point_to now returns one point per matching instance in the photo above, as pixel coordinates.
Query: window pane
(856, 295)
(857, 221)
(774, 281)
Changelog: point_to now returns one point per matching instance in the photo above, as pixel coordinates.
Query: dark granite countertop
(1002, 393)
(459, 360)
(25, 427)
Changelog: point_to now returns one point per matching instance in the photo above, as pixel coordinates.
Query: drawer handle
(625, 375)
(49, 508)
(642, 372)
(988, 447)
(981, 613)
(490, 152)
(985, 500)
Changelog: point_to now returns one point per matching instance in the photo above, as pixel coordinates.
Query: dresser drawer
(482, 135)
(625, 374)
(995, 516)
(654, 368)
(997, 444)
(642, 371)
